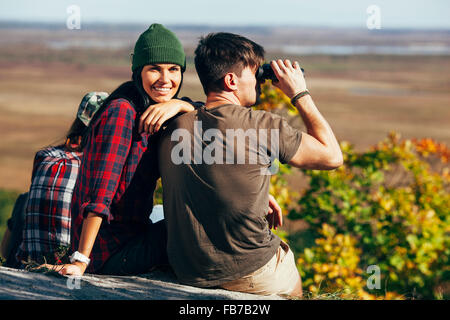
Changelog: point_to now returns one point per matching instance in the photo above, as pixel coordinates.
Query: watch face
(76, 256)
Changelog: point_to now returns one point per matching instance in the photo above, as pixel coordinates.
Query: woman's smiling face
(161, 81)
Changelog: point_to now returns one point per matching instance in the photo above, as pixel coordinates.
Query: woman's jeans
(15, 226)
(141, 254)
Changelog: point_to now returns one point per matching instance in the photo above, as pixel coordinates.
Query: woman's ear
(230, 82)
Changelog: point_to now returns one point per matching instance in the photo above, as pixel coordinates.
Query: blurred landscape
(366, 83)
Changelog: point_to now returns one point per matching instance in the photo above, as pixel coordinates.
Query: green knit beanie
(158, 45)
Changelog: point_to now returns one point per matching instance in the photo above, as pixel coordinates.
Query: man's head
(228, 62)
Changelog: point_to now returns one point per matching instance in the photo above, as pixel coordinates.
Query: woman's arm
(89, 231)
(154, 117)
(107, 155)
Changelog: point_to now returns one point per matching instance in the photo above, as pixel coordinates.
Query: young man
(215, 165)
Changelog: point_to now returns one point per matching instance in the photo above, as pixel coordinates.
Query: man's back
(216, 175)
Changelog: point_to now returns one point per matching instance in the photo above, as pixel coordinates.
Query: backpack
(88, 107)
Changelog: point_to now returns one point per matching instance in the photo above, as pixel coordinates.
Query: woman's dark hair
(133, 91)
(220, 53)
(77, 136)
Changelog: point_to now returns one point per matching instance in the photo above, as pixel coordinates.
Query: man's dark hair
(220, 53)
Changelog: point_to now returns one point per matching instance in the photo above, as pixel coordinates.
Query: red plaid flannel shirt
(117, 179)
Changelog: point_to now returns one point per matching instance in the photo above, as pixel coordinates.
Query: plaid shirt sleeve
(113, 139)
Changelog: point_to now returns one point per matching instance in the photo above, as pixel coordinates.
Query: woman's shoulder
(120, 104)
(118, 108)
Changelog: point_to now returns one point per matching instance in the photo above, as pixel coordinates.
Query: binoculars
(265, 72)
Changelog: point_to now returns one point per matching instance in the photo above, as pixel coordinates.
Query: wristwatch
(76, 256)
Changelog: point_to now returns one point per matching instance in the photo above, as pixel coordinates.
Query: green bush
(7, 200)
(387, 207)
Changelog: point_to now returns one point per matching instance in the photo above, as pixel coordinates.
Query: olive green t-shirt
(216, 166)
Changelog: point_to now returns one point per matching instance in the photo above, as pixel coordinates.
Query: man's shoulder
(239, 112)
(227, 108)
(249, 116)
(228, 113)
(222, 117)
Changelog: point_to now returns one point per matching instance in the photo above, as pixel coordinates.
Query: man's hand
(290, 77)
(275, 216)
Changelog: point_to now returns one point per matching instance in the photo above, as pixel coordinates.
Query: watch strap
(298, 96)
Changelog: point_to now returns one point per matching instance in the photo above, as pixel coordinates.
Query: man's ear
(230, 82)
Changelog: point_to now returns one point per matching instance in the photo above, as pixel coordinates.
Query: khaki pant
(278, 276)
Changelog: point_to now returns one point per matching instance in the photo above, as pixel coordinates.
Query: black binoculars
(265, 72)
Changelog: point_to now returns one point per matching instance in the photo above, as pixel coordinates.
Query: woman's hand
(89, 232)
(75, 269)
(275, 216)
(155, 115)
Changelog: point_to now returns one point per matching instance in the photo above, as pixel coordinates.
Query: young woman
(113, 197)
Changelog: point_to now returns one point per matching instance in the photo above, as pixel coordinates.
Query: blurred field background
(45, 71)
(366, 83)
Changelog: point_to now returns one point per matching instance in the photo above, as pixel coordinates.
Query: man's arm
(319, 148)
